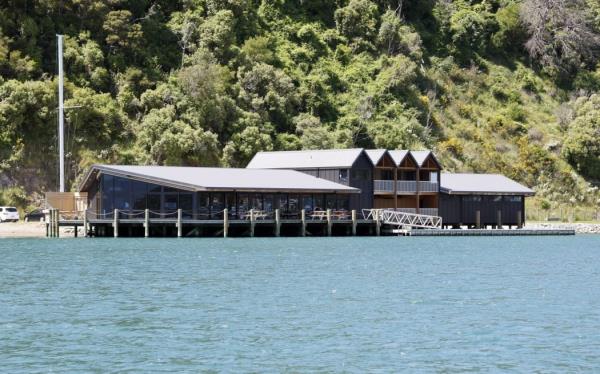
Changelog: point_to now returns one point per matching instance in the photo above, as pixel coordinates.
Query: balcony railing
(384, 186)
(407, 187)
(429, 211)
(406, 210)
(428, 187)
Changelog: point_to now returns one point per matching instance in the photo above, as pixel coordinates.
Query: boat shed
(205, 193)
(348, 167)
(480, 200)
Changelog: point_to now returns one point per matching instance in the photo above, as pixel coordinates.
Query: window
(307, 203)
(138, 195)
(496, 199)
(473, 198)
(513, 199)
(203, 205)
(170, 201)
(343, 203)
(216, 205)
(318, 202)
(344, 174)
(293, 205)
(154, 202)
(268, 203)
(330, 202)
(186, 204)
(282, 203)
(257, 201)
(433, 176)
(243, 203)
(12, 210)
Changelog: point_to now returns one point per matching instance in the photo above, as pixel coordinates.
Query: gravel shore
(580, 228)
(30, 230)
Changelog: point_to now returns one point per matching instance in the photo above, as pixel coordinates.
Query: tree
(582, 142)
(358, 22)
(561, 34)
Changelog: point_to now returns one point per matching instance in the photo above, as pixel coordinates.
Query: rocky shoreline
(580, 228)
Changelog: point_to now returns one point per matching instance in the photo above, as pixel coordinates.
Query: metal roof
(421, 157)
(330, 158)
(494, 184)
(398, 155)
(375, 155)
(221, 179)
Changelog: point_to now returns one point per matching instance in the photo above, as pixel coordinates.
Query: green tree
(582, 141)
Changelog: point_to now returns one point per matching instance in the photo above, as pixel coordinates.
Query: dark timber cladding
(349, 167)
(482, 200)
(204, 193)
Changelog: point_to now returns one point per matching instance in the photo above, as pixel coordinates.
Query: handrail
(396, 218)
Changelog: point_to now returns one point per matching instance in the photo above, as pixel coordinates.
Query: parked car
(37, 215)
(9, 214)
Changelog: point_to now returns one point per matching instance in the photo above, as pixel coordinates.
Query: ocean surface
(513, 304)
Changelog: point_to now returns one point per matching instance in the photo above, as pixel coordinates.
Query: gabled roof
(399, 155)
(330, 158)
(421, 157)
(375, 155)
(221, 179)
(492, 184)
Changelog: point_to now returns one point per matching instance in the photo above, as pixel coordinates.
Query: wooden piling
(303, 219)
(85, 224)
(179, 224)
(478, 219)
(520, 219)
(225, 223)
(116, 223)
(277, 223)
(252, 223)
(147, 223)
(354, 222)
(377, 224)
(57, 223)
(329, 223)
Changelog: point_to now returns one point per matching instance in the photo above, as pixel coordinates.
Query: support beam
(277, 223)
(179, 224)
(147, 223)
(57, 222)
(329, 223)
(226, 223)
(116, 223)
(303, 219)
(354, 222)
(478, 219)
(377, 223)
(499, 219)
(85, 224)
(75, 229)
(520, 219)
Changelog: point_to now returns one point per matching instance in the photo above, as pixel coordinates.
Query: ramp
(402, 219)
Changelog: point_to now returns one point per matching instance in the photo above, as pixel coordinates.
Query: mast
(61, 119)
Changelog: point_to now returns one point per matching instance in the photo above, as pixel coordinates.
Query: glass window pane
(282, 203)
(154, 188)
(186, 204)
(268, 203)
(307, 203)
(138, 195)
(293, 203)
(154, 202)
(257, 202)
(107, 193)
(203, 205)
(243, 204)
(170, 201)
(343, 203)
(216, 205)
(318, 202)
(330, 201)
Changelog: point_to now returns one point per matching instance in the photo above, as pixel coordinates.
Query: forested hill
(492, 86)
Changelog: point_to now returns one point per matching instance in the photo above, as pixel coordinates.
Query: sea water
(520, 304)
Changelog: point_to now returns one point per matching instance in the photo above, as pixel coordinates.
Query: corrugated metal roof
(199, 179)
(398, 155)
(330, 158)
(375, 155)
(481, 183)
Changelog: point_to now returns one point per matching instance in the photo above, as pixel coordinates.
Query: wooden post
(57, 222)
(377, 224)
(252, 223)
(75, 229)
(478, 219)
(146, 223)
(51, 223)
(354, 222)
(85, 224)
(277, 223)
(499, 219)
(303, 219)
(520, 219)
(329, 223)
(179, 224)
(116, 223)
(226, 223)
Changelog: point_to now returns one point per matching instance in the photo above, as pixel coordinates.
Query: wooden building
(205, 193)
(481, 200)
(348, 167)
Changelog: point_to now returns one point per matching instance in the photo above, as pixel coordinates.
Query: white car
(9, 214)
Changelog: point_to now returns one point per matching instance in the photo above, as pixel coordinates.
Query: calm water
(298, 305)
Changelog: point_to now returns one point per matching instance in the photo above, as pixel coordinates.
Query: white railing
(401, 219)
(407, 210)
(383, 186)
(429, 211)
(406, 186)
(428, 187)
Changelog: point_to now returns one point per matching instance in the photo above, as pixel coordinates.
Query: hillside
(492, 86)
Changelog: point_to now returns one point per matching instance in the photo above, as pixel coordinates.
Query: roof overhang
(448, 191)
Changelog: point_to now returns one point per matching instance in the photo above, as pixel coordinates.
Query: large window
(513, 199)
(293, 203)
(307, 203)
(203, 205)
(216, 205)
(186, 204)
(283, 203)
(138, 195)
(268, 203)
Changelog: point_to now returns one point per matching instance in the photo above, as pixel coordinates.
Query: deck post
(499, 219)
(146, 223)
(277, 223)
(303, 219)
(478, 219)
(519, 219)
(51, 223)
(179, 225)
(75, 229)
(377, 223)
(354, 222)
(85, 224)
(329, 223)
(225, 223)
(252, 223)
(116, 223)
(57, 223)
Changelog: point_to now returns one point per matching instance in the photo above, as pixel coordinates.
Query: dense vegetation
(493, 85)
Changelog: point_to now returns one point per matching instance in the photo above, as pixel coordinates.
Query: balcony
(407, 187)
(428, 187)
(383, 186)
